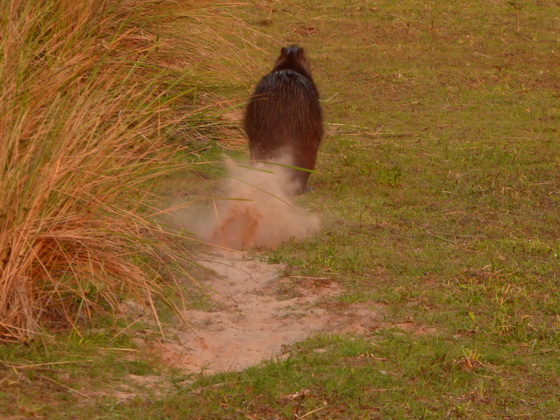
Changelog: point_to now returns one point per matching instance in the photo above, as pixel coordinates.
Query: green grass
(438, 189)
(387, 373)
(42, 379)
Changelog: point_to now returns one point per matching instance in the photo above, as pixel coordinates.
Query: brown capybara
(283, 118)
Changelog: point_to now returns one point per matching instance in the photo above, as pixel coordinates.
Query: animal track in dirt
(256, 312)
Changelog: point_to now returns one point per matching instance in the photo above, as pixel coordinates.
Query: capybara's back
(283, 118)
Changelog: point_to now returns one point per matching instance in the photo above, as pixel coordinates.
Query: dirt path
(257, 312)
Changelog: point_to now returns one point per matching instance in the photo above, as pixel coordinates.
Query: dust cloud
(255, 209)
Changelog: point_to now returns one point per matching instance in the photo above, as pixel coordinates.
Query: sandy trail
(257, 312)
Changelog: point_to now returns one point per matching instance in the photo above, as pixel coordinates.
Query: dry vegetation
(84, 117)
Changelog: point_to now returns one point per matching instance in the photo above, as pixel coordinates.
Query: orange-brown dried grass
(82, 118)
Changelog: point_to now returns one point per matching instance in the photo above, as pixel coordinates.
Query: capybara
(283, 120)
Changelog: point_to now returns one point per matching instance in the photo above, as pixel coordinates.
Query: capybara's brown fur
(283, 117)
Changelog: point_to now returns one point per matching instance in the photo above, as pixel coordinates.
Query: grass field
(438, 187)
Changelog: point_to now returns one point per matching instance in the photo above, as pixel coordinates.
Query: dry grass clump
(213, 32)
(82, 112)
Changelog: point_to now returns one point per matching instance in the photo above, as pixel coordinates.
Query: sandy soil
(256, 311)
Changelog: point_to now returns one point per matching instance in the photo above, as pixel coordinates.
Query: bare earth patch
(257, 311)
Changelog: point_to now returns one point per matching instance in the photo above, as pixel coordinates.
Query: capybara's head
(293, 58)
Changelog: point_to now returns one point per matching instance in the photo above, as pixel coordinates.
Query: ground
(256, 313)
(432, 287)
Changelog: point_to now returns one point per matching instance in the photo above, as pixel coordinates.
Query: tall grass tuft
(81, 120)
